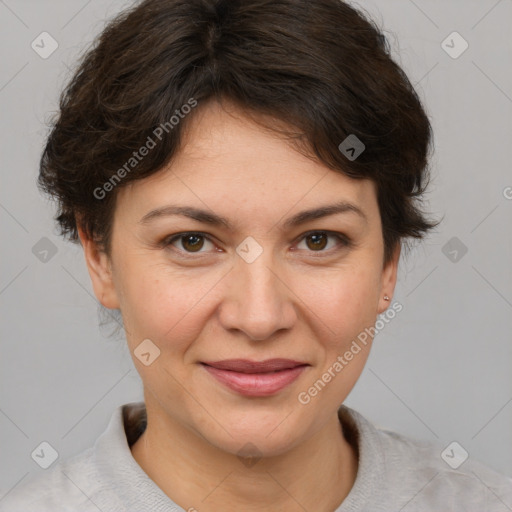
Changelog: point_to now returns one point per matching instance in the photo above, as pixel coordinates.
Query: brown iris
(192, 243)
(319, 241)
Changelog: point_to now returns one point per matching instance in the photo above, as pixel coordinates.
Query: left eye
(318, 240)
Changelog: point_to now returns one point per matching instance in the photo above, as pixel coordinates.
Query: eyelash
(344, 242)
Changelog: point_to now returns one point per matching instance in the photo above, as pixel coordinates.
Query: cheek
(344, 307)
(165, 305)
(344, 301)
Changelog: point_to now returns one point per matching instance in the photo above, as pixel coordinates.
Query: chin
(256, 446)
(255, 432)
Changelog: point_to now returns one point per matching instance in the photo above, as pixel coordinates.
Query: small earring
(386, 297)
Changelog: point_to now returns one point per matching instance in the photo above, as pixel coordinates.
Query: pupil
(319, 240)
(195, 245)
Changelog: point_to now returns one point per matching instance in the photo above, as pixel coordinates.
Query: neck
(315, 475)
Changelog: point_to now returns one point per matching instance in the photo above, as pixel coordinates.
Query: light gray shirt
(395, 474)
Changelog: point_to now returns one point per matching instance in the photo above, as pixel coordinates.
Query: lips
(255, 378)
(246, 366)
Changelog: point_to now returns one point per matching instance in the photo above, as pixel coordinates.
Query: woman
(242, 176)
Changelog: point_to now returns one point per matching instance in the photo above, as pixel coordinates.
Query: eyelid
(344, 241)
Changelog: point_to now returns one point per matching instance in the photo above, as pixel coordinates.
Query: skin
(294, 300)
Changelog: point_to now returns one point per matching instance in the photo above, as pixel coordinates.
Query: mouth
(255, 378)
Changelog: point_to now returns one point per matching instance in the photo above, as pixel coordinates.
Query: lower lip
(256, 384)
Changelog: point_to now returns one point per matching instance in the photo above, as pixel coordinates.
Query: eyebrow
(216, 220)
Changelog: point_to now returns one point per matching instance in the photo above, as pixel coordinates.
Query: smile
(252, 378)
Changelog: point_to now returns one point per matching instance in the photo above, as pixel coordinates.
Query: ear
(388, 281)
(100, 271)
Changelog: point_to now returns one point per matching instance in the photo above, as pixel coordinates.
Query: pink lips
(252, 378)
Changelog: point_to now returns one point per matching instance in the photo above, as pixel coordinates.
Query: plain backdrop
(439, 371)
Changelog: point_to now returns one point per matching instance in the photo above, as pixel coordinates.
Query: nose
(258, 300)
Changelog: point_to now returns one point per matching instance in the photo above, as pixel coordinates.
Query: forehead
(234, 166)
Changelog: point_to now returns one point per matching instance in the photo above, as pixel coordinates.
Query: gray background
(439, 371)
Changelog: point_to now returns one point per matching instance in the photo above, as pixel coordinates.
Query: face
(263, 283)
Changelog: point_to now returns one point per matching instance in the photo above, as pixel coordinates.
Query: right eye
(191, 242)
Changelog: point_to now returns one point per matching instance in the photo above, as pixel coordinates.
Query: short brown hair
(319, 66)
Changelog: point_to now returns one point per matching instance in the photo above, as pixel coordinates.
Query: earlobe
(389, 277)
(100, 271)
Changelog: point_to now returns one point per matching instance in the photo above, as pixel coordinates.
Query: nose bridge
(260, 304)
(254, 266)
(260, 279)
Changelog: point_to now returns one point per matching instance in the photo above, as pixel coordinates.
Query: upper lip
(248, 366)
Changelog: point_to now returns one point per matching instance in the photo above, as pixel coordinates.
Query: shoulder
(55, 489)
(89, 481)
(411, 475)
(444, 477)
